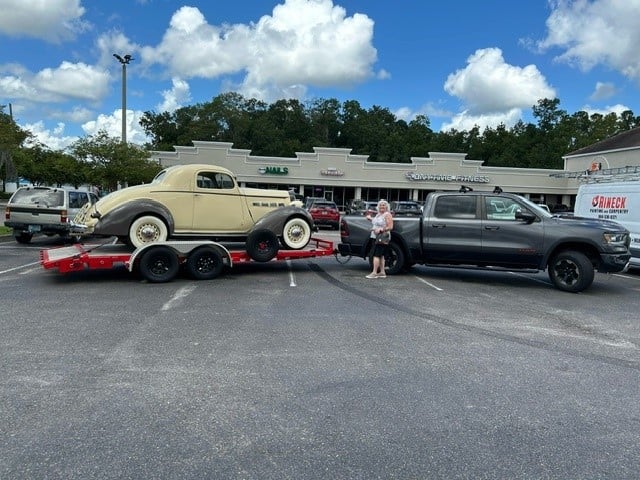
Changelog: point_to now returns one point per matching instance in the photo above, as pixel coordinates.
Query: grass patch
(5, 230)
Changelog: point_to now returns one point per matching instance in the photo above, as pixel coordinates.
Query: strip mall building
(337, 174)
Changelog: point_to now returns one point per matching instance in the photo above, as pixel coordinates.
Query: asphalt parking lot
(305, 369)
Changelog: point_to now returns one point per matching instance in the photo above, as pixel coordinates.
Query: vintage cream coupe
(199, 202)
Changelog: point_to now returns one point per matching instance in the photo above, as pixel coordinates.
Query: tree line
(288, 126)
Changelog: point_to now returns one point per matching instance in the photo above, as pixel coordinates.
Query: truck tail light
(63, 216)
(7, 214)
(344, 229)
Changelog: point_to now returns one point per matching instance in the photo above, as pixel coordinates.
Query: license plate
(33, 228)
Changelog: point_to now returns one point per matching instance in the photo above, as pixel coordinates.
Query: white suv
(46, 210)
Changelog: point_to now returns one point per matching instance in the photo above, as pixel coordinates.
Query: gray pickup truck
(497, 230)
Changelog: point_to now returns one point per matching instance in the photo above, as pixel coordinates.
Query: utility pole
(124, 61)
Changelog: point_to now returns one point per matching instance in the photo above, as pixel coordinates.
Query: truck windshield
(536, 208)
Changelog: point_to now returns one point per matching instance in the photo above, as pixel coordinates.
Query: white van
(617, 201)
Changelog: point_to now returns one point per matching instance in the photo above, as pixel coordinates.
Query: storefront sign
(332, 172)
(273, 171)
(427, 177)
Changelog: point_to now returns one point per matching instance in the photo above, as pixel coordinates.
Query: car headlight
(615, 238)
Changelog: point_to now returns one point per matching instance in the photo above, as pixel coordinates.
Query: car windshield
(41, 196)
(407, 206)
(324, 205)
(158, 178)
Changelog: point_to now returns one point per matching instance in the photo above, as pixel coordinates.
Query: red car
(325, 212)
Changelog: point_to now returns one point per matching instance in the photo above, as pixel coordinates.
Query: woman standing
(382, 223)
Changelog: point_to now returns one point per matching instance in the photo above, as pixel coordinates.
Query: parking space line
(19, 267)
(178, 296)
(292, 276)
(428, 283)
(31, 270)
(625, 276)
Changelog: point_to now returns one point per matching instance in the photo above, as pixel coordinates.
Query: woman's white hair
(383, 202)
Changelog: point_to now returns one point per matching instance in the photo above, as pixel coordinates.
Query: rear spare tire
(296, 233)
(262, 245)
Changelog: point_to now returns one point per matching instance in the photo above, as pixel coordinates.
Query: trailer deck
(213, 256)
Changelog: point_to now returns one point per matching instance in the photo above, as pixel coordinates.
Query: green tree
(11, 138)
(324, 117)
(110, 163)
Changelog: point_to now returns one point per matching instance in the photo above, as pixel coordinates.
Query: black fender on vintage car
(117, 221)
(292, 225)
(276, 219)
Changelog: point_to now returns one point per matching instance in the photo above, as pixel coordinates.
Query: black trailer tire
(204, 263)
(159, 264)
(393, 259)
(23, 237)
(262, 245)
(571, 271)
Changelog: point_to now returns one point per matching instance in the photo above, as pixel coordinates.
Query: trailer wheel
(571, 271)
(296, 233)
(204, 263)
(159, 264)
(262, 245)
(394, 262)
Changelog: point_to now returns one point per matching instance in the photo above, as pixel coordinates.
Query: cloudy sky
(462, 63)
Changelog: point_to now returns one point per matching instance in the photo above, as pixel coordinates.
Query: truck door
(453, 231)
(507, 240)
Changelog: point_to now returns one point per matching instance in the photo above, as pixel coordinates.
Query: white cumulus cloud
(50, 20)
(112, 124)
(176, 97)
(596, 32)
(303, 42)
(489, 84)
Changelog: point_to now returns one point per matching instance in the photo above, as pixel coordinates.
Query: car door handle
(491, 227)
(438, 225)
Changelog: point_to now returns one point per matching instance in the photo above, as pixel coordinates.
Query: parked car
(325, 212)
(296, 200)
(361, 207)
(199, 201)
(405, 207)
(370, 208)
(308, 201)
(44, 210)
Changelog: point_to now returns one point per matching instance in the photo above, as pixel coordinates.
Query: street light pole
(124, 61)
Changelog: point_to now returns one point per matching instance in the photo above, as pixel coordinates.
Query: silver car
(44, 210)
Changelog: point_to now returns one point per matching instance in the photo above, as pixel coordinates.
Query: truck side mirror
(526, 216)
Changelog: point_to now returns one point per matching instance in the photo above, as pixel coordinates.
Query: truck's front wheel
(393, 259)
(571, 271)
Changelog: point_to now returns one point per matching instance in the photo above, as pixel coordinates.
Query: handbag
(383, 238)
